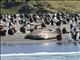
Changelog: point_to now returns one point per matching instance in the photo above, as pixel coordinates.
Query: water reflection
(42, 47)
(59, 43)
(46, 44)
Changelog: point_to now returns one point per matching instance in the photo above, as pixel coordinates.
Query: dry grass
(54, 6)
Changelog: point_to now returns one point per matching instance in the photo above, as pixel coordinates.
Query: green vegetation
(49, 5)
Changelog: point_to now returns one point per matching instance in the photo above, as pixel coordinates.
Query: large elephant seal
(41, 34)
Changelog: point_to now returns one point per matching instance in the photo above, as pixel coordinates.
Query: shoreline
(19, 39)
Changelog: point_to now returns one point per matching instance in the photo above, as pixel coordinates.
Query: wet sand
(19, 38)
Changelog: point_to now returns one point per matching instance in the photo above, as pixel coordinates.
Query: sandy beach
(19, 39)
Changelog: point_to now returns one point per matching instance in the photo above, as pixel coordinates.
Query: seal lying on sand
(41, 34)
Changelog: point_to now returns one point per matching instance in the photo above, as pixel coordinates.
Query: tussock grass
(54, 6)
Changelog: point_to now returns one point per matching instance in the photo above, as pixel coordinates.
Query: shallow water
(50, 48)
(44, 47)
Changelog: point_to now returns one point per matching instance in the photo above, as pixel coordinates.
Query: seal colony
(57, 25)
